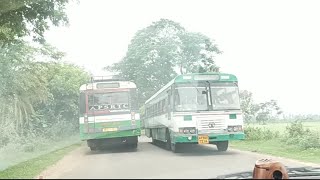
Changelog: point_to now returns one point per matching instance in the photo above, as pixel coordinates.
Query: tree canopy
(39, 92)
(162, 50)
(29, 87)
(261, 112)
(20, 18)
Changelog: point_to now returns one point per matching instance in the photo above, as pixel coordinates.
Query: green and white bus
(200, 108)
(109, 113)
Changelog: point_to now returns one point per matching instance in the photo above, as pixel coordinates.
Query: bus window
(163, 107)
(225, 97)
(133, 100)
(108, 101)
(190, 99)
(82, 103)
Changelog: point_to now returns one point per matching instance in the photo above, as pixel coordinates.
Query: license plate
(109, 129)
(202, 139)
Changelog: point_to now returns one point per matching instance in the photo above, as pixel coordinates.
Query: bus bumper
(106, 135)
(193, 139)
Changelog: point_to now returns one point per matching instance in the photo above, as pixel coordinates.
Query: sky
(271, 46)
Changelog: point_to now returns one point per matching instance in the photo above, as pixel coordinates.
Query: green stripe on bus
(135, 132)
(123, 128)
(232, 116)
(212, 138)
(187, 117)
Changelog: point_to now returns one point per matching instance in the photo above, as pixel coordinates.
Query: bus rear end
(109, 114)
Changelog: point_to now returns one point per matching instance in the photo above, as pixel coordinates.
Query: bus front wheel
(168, 141)
(222, 145)
(175, 147)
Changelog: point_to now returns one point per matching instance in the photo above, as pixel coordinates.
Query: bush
(295, 129)
(256, 133)
(296, 134)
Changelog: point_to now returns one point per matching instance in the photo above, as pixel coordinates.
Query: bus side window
(158, 108)
(82, 103)
(163, 106)
(146, 112)
(155, 109)
(169, 104)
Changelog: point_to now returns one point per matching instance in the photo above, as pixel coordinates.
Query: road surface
(151, 161)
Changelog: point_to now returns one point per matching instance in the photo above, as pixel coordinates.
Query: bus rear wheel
(92, 145)
(168, 141)
(133, 145)
(93, 148)
(222, 145)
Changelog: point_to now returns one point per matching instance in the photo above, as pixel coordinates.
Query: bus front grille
(211, 124)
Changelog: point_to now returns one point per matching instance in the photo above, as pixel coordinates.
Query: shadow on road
(112, 149)
(196, 150)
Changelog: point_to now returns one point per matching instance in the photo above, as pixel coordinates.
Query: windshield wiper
(292, 172)
(194, 86)
(303, 171)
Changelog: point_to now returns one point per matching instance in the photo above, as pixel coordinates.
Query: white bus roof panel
(107, 85)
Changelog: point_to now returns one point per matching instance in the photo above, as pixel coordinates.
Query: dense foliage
(20, 18)
(162, 50)
(258, 112)
(37, 97)
(38, 92)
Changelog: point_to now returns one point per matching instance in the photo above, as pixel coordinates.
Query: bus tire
(93, 148)
(168, 140)
(222, 145)
(175, 147)
(154, 141)
(133, 145)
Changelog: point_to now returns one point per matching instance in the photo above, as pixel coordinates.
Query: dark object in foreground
(269, 169)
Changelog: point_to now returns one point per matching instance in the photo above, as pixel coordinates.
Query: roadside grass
(276, 146)
(31, 168)
(281, 126)
(18, 152)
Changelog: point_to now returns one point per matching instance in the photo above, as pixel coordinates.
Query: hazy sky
(272, 46)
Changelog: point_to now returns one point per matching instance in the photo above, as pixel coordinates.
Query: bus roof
(197, 77)
(107, 85)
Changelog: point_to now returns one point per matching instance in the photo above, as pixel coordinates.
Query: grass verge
(31, 168)
(277, 148)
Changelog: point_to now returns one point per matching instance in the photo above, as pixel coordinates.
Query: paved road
(150, 161)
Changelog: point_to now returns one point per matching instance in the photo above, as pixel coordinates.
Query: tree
(261, 112)
(22, 84)
(35, 93)
(162, 50)
(247, 106)
(267, 111)
(61, 108)
(20, 18)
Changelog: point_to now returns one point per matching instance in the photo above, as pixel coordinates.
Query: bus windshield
(225, 97)
(108, 101)
(190, 99)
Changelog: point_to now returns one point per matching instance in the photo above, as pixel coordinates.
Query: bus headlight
(234, 128)
(192, 131)
(187, 130)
